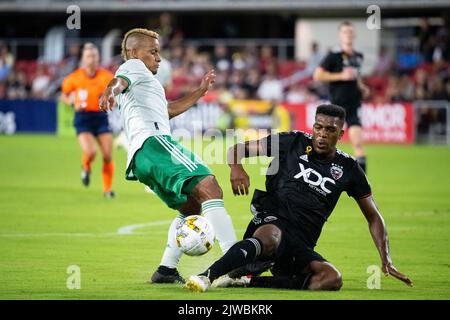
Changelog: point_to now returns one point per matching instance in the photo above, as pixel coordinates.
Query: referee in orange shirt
(83, 89)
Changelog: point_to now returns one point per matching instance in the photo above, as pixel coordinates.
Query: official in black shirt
(341, 68)
(303, 184)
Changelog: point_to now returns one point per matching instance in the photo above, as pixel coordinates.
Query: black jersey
(344, 93)
(303, 189)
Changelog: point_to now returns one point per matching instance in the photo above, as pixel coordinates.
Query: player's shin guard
(243, 252)
(215, 212)
(108, 173)
(298, 282)
(172, 253)
(86, 162)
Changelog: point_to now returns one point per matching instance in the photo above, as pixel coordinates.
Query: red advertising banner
(382, 123)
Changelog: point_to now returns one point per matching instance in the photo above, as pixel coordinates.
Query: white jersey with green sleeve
(143, 105)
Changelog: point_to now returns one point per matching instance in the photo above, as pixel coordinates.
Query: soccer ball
(195, 236)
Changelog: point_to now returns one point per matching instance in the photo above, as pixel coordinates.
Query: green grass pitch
(49, 221)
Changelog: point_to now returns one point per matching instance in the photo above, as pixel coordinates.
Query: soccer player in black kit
(303, 183)
(341, 69)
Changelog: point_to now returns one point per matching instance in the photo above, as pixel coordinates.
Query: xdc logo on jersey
(314, 178)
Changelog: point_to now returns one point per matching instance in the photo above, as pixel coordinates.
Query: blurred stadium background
(264, 53)
(262, 50)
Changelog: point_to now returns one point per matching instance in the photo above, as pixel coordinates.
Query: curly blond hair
(135, 32)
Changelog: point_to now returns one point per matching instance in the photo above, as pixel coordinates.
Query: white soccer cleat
(148, 190)
(226, 282)
(198, 283)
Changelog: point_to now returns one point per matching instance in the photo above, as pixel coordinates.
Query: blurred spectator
(251, 82)
(424, 36)
(70, 62)
(300, 94)
(442, 50)
(406, 87)
(384, 63)
(221, 59)
(428, 48)
(266, 59)
(221, 78)
(419, 71)
(171, 36)
(65, 67)
(237, 85)
(271, 87)
(166, 29)
(190, 54)
(408, 59)
(250, 56)
(39, 86)
(6, 62)
(238, 63)
(447, 88)
(421, 85)
(180, 81)
(164, 74)
(437, 89)
(18, 87)
(176, 56)
(201, 66)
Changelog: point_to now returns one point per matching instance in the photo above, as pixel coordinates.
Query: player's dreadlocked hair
(331, 110)
(138, 31)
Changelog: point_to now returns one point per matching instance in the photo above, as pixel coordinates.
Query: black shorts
(92, 122)
(352, 117)
(352, 111)
(293, 254)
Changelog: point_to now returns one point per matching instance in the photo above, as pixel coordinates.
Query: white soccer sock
(172, 253)
(215, 212)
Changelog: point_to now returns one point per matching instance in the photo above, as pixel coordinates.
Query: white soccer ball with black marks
(195, 235)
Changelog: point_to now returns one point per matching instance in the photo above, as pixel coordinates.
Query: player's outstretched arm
(380, 237)
(68, 100)
(323, 75)
(114, 87)
(65, 98)
(240, 181)
(181, 105)
(365, 90)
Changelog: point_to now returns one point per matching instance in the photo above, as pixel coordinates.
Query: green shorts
(168, 168)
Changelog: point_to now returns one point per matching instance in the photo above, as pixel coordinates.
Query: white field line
(130, 229)
(125, 230)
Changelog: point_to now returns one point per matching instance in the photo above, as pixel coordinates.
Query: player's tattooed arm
(181, 105)
(114, 87)
(248, 149)
(380, 237)
(240, 181)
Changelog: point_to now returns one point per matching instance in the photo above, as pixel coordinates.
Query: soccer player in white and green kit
(174, 173)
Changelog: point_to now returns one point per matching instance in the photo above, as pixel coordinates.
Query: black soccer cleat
(109, 195)
(85, 177)
(251, 269)
(166, 275)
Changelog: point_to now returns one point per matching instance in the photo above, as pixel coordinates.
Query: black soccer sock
(166, 271)
(298, 282)
(362, 162)
(238, 255)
